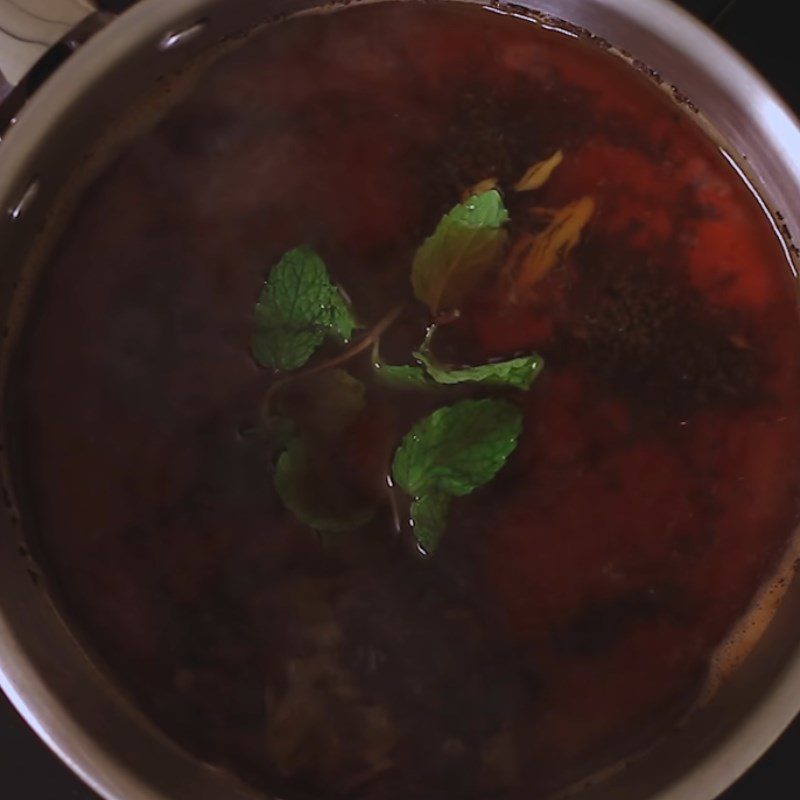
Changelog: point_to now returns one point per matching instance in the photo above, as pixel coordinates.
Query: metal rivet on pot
(180, 37)
(17, 211)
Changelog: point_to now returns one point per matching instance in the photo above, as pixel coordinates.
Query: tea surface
(571, 612)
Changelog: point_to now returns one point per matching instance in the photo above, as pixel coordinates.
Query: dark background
(762, 32)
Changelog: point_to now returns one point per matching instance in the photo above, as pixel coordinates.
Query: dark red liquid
(572, 611)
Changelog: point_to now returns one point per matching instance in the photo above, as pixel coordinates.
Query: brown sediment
(658, 341)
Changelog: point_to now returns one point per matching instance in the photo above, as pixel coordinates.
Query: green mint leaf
(342, 320)
(398, 375)
(429, 519)
(457, 448)
(518, 373)
(316, 412)
(466, 244)
(306, 481)
(402, 375)
(451, 453)
(324, 404)
(279, 430)
(297, 308)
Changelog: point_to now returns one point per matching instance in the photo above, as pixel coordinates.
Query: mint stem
(426, 342)
(439, 321)
(371, 337)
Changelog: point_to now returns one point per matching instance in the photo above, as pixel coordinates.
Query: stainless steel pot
(48, 677)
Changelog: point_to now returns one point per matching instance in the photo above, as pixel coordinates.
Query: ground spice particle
(659, 341)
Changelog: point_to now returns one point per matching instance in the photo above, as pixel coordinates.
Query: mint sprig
(308, 416)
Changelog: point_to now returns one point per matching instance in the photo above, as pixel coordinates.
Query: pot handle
(29, 28)
(36, 36)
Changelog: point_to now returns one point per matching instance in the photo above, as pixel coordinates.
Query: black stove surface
(28, 771)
